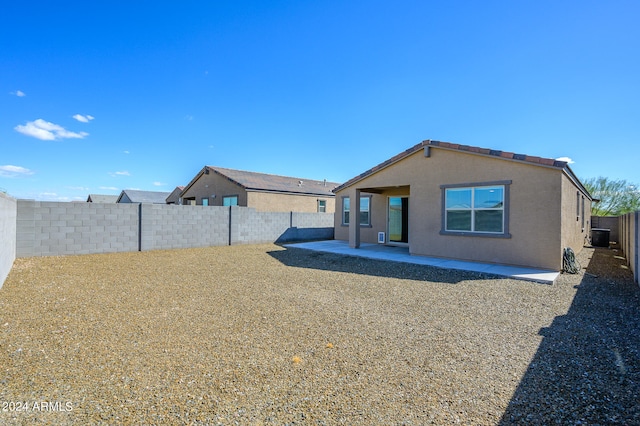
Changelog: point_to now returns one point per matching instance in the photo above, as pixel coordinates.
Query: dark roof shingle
(275, 183)
(456, 147)
(137, 196)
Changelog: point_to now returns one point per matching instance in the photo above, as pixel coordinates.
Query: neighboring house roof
(100, 198)
(505, 155)
(253, 181)
(135, 196)
(174, 196)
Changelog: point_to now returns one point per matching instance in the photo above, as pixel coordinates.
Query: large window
(365, 211)
(230, 201)
(476, 208)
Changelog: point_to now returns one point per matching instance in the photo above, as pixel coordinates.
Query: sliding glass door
(398, 219)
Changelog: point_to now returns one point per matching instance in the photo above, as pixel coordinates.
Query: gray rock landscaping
(261, 334)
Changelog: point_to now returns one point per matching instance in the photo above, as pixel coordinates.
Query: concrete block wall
(53, 228)
(8, 223)
(251, 226)
(629, 225)
(309, 226)
(174, 226)
(607, 222)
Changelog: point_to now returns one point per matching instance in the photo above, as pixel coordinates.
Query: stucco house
(454, 201)
(218, 186)
(174, 196)
(136, 196)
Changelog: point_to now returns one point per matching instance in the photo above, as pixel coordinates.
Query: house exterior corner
(441, 201)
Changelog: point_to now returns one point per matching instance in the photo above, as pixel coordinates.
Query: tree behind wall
(617, 197)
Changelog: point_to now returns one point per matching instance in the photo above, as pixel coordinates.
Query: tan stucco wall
(276, 202)
(574, 234)
(535, 208)
(213, 183)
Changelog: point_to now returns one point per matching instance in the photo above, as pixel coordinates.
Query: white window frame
(367, 211)
(346, 208)
(504, 185)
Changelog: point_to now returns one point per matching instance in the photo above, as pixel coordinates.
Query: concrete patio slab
(401, 254)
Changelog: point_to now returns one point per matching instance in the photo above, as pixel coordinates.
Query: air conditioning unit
(381, 239)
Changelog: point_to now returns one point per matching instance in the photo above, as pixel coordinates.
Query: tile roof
(502, 154)
(549, 162)
(275, 183)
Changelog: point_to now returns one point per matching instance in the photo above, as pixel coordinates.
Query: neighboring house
(455, 201)
(99, 198)
(174, 197)
(217, 186)
(135, 196)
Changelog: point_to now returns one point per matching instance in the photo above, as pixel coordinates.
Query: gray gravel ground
(261, 334)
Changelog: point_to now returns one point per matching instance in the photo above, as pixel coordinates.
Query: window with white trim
(365, 213)
(477, 209)
(346, 208)
(322, 206)
(365, 210)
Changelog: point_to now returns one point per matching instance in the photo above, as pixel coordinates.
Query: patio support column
(354, 222)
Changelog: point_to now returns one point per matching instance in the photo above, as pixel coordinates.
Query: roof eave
(275, 191)
(393, 160)
(572, 176)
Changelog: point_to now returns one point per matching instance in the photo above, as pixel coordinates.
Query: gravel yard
(261, 334)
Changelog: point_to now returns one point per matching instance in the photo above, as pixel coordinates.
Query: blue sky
(96, 97)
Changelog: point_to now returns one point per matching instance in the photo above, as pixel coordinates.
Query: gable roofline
(264, 182)
(193, 181)
(137, 196)
(102, 198)
(504, 155)
(177, 191)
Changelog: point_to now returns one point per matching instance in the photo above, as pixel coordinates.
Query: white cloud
(19, 93)
(159, 184)
(14, 171)
(109, 188)
(120, 173)
(47, 131)
(48, 196)
(83, 118)
(565, 159)
(126, 152)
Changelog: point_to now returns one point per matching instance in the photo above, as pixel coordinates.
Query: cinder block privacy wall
(8, 212)
(629, 225)
(53, 228)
